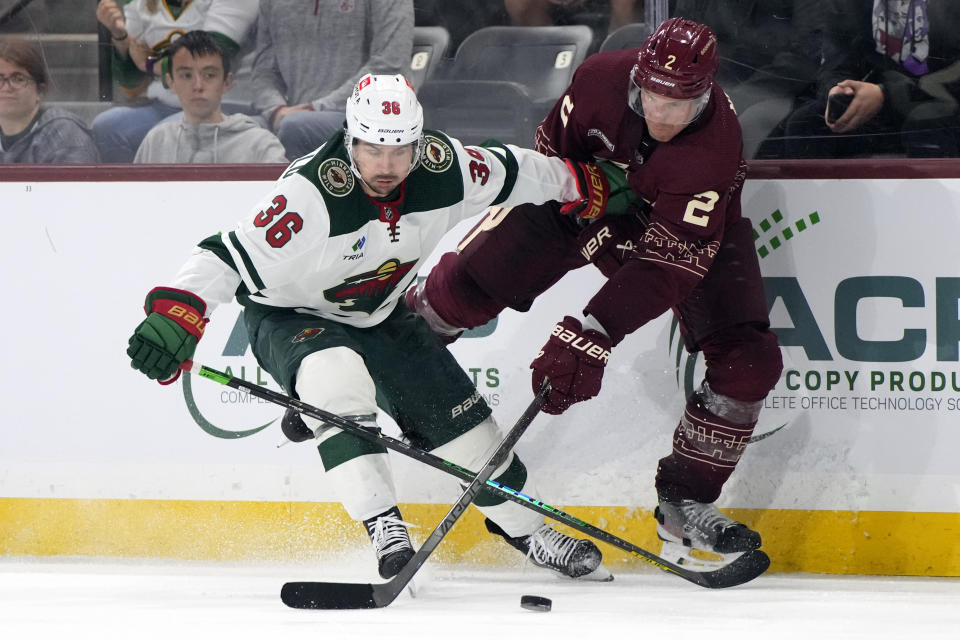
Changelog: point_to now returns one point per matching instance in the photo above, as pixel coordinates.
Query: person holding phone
(887, 85)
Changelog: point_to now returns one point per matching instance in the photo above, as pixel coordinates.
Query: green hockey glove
(169, 334)
(603, 188)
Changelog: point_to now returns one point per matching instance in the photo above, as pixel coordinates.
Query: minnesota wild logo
(336, 177)
(367, 291)
(437, 156)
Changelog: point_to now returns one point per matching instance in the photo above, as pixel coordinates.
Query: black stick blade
(328, 595)
(744, 569)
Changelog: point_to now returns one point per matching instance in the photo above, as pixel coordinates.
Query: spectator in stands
(310, 56)
(615, 13)
(29, 131)
(140, 32)
(889, 83)
(772, 52)
(460, 19)
(200, 75)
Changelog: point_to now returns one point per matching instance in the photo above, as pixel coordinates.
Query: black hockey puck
(536, 603)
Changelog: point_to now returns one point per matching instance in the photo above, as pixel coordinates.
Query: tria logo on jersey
(367, 291)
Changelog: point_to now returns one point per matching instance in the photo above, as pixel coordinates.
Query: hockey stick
(348, 595)
(745, 568)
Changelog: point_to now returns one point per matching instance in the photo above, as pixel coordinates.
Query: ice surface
(110, 599)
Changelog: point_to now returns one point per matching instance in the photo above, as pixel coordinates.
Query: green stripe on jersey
(215, 245)
(510, 163)
(247, 262)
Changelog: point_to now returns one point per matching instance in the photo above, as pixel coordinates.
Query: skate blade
(696, 559)
(600, 574)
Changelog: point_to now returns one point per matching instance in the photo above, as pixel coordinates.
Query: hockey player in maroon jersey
(657, 112)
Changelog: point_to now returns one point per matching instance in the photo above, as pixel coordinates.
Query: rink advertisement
(862, 283)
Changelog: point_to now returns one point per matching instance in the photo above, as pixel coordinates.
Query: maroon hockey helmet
(677, 60)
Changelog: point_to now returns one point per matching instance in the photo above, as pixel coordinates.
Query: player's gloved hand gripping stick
(573, 360)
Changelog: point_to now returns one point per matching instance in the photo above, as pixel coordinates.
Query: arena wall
(861, 272)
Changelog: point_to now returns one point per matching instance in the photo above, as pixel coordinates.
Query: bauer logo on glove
(594, 191)
(169, 334)
(603, 189)
(580, 343)
(573, 360)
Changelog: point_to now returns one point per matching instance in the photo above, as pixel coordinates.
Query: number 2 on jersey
(701, 202)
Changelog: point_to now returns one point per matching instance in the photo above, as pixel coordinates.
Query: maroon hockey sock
(706, 449)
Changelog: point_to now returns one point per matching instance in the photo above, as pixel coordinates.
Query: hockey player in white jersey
(321, 264)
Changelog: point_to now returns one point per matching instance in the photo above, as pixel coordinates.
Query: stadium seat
(628, 36)
(503, 80)
(429, 47)
(476, 110)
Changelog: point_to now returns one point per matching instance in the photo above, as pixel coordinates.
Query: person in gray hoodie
(200, 75)
(29, 131)
(311, 54)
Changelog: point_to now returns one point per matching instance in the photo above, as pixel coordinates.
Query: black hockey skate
(548, 548)
(388, 532)
(699, 537)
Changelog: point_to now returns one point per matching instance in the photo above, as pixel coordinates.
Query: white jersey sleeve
(208, 277)
(509, 175)
(282, 238)
(274, 246)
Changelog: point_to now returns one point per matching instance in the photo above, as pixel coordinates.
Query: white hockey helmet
(384, 109)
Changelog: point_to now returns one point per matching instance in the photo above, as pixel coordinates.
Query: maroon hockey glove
(573, 360)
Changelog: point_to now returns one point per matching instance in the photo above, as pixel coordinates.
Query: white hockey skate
(699, 537)
(548, 548)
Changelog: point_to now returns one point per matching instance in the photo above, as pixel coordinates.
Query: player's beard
(383, 190)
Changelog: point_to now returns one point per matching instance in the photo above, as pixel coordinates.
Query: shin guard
(707, 445)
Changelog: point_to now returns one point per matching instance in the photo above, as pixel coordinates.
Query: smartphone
(836, 105)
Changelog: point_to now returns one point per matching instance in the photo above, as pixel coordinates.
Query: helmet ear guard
(678, 61)
(383, 109)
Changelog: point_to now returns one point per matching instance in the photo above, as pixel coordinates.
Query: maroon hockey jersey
(693, 183)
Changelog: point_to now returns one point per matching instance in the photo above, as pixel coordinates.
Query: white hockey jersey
(319, 244)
